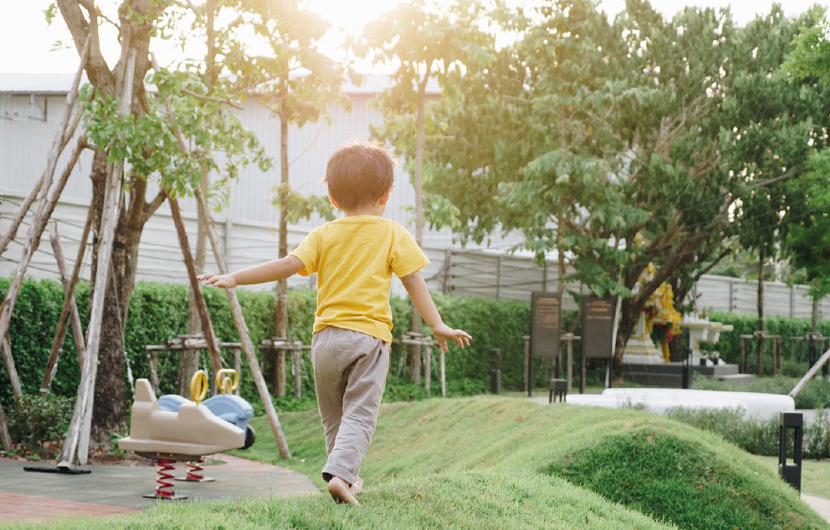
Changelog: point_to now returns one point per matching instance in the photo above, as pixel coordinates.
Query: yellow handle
(198, 386)
(223, 382)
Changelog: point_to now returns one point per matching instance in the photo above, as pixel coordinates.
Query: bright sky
(26, 41)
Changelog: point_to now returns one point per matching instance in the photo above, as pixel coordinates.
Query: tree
(298, 83)
(425, 42)
(638, 178)
(143, 141)
(770, 119)
(808, 238)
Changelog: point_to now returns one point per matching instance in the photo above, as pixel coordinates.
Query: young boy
(354, 258)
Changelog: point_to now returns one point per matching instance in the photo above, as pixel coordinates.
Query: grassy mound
(665, 469)
(471, 500)
(489, 462)
(679, 479)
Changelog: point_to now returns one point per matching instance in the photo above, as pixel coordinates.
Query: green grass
(493, 462)
(815, 474)
(473, 500)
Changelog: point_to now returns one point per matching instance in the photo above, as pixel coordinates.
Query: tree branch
(151, 207)
(223, 101)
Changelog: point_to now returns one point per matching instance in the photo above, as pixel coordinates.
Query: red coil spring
(164, 488)
(194, 470)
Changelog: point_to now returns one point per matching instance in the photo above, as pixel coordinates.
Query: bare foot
(357, 487)
(340, 492)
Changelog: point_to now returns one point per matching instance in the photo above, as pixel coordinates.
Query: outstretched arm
(267, 272)
(418, 291)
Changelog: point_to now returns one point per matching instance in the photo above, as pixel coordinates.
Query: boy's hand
(444, 333)
(225, 281)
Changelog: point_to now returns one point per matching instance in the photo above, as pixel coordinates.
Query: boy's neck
(373, 209)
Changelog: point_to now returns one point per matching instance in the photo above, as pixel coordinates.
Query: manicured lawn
(815, 475)
(496, 462)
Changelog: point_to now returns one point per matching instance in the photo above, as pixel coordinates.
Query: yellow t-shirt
(354, 258)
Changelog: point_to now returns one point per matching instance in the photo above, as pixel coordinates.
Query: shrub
(38, 418)
(756, 437)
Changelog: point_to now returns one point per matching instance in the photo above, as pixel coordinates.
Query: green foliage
(298, 206)
(39, 418)
(757, 437)
(729, 345)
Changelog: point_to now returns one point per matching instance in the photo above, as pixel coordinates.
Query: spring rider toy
(185, 430)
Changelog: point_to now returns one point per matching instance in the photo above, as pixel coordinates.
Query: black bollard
(791, 473)
(495, 371)
(687, 370)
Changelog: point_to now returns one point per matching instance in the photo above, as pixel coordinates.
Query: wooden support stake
(298, 382)
(242, 328)
(201, 306)
(77, 436)
(77, 330)
(427, 368)
(10, 368)
(743, 355)
(237, 364)
(279, 373)
(569, 374)
(443, 368)
(760, 355)
(70, 308)
(816, 367)
(526, 340)
(154, 370)
(5, 439)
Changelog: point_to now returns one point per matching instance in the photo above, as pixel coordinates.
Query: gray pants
(349, 377)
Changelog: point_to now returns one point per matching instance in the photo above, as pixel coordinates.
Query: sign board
(545, 313)
(598, 326)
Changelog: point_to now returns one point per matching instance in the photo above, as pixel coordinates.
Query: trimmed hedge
(158, 312)
(729, 344)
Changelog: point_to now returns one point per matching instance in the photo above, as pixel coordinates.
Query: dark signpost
(598, 329)
(545, 313)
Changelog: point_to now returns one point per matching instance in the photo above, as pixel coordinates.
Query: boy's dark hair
(359, 174)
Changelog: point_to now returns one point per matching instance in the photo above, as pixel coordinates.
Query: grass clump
(677, 478)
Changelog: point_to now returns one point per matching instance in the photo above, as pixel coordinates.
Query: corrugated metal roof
(36, 83)
(16, 83)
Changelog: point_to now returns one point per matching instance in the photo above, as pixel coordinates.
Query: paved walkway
(116, 490)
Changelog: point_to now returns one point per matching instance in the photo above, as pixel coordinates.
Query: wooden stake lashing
(201, 306)
(69, 307)
(77, 437)
(242, 328)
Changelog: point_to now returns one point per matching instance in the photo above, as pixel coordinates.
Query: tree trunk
(189, 359)
(418, 184)
(630, 311)
(110, 405)
(281, 311)
(760, 306)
